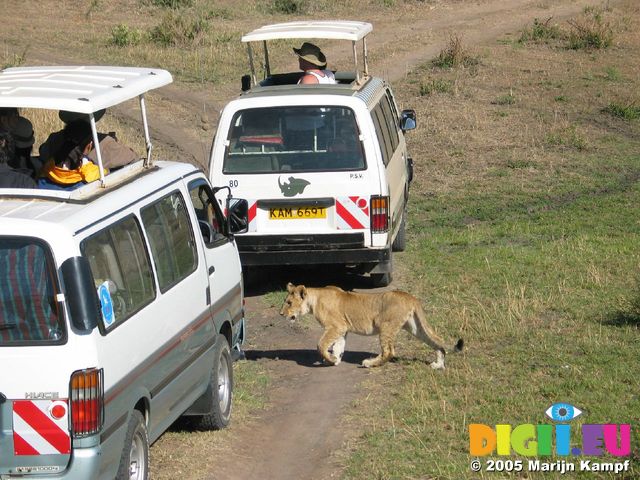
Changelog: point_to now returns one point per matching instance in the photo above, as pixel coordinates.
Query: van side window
(208, 212)
(391, 121)
(382, 132)
(171, 239)
(29, 311)
(118, 257)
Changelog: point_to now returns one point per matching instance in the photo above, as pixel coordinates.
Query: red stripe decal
(252, 211)
(42, 424)
(347, 217)
(20, 447)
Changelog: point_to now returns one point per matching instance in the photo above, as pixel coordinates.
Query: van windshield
(29, 311)
(293, 139)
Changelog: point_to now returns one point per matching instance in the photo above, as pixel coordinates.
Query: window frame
(103, 328)
(56, 284)
(196, 256)
(201, 182)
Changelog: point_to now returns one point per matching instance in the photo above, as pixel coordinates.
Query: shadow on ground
(305, 357)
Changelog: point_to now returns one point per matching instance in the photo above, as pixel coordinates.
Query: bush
(568, 137)
(626, 112)
(454, 54)
(540, 32)
(174, 4)
(508, 99)
(123, 36)
(591, 31)
(287, 7)
(435, 86)
(179, 30)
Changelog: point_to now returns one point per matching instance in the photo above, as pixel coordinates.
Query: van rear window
(293, 139)
(29, 311)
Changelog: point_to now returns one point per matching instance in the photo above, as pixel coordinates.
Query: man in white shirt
(314, 64)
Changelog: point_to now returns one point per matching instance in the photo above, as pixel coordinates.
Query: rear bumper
(356, 256)
(312, 249)
(85, 463)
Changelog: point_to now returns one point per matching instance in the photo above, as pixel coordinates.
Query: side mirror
(245, 83)
(80, 293)
(237, 215)
(408, 120)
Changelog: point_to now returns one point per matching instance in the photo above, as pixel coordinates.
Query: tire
(380, 279)
(220, 389)
(134, 463)
(400, 242)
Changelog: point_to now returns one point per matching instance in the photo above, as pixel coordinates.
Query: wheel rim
(224, 387)
(137, 457)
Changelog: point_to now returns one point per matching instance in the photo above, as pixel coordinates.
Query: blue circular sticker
(106, 304)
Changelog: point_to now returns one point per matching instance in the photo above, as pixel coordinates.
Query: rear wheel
(400, 242)
(220, 389)
(134, 463)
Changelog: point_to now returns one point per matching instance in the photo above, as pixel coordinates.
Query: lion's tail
(425, 333)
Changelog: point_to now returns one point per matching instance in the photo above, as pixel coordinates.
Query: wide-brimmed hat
(68, 117)
(21, 130)
(311, 53)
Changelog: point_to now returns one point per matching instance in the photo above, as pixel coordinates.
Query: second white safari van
(324, 167)
(121, 302)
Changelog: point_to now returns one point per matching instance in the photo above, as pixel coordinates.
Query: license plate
(297, 213)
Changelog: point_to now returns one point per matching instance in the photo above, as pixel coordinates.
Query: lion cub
(382, 314)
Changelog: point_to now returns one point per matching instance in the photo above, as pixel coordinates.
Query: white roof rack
(336, 30)
(83, 89)
(325, 29)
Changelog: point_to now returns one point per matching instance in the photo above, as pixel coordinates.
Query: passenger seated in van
(22, 131)
(71, 167)
(346, 136)
(114, 153)
(314, 64)
(9, 177)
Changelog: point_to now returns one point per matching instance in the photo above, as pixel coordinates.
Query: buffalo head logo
(294, 187)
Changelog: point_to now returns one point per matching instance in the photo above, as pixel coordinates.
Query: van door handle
(211, 270)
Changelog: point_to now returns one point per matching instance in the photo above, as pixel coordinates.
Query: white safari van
(324, 167)
(121, 302)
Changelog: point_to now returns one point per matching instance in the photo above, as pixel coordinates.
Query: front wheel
(220, 389)
(134, 462)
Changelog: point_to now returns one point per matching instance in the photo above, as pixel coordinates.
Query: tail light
(86, 391)
(379, 214)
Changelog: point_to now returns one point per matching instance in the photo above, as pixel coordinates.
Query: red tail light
(86, 391)
(379, 214)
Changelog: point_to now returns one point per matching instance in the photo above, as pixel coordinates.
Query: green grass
(544, 290)
(526, 244)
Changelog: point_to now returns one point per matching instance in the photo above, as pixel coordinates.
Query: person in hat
(314, 64)
(10, 177)
(114, 153)
(55, 141)
(21, 130)
(70, 167)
